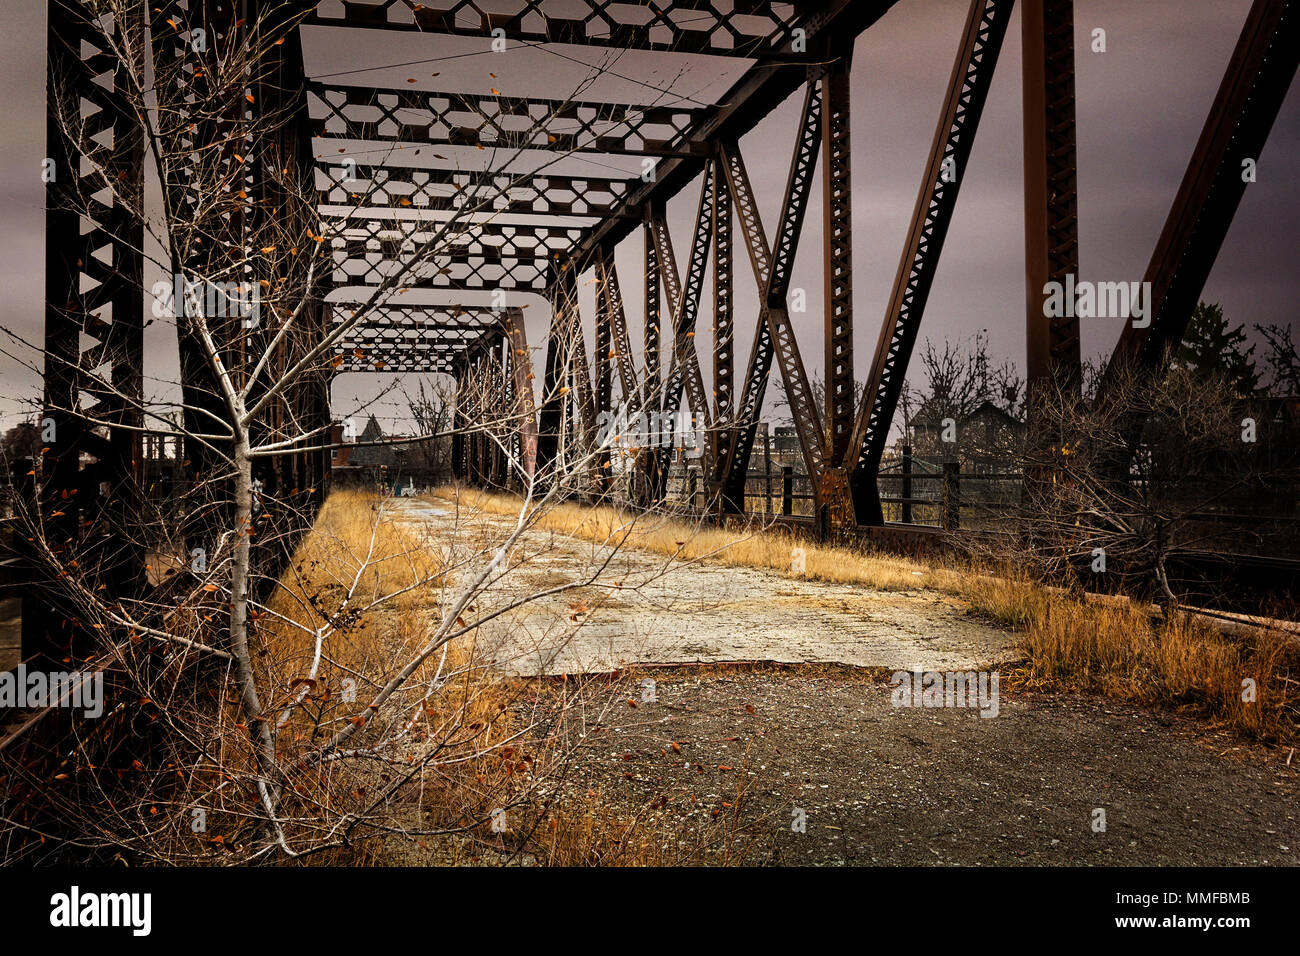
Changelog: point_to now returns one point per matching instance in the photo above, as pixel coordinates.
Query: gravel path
(703, 612)
(812, 760)
(879, 784)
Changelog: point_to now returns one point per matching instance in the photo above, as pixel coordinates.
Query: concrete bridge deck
(676, 612)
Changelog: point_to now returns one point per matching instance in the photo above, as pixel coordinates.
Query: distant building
(363, 461)
(785, 444)
(986, 439)
(340, 449)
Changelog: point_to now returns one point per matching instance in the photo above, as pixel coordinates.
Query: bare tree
(1196, 455)
(247, 686)
(1283, 359)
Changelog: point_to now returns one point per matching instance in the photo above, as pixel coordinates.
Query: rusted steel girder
(837, 226)
(774, 334)
(724, 329)
(653, 303)
(1051, 186)
(609, 299)
(683, 306)
(422, 116)
(568, 378)
(977, 56)
(603, 394)
(89, 486)
(766, 31)
(1254, 86)
(414, 338)
(739, 110)
(684, 367)
(522, 402)
(367, 187)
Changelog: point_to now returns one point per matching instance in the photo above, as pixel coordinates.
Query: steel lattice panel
(752, 29)
(481, 256)
(488, 121)
(415, 338)
(378, 188)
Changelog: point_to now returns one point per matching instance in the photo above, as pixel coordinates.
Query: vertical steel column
(833, 498)
(648, 461)
(501, 383)
(653, 320)
(559, 376)
(837, 215)
(724, 331)
(604, 390)
(551, 414)
(1051, 184)
(457, 423)
(477, 447)
(95, 510)
(521, 370)
(578, 374)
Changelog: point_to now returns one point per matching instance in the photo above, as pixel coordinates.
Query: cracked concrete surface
(697, 612)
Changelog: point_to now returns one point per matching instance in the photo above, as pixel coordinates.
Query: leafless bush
(270, 697)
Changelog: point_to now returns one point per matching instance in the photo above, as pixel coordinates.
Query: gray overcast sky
(1140, 108)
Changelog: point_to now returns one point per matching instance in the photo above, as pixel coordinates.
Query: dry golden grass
(1119, 650)
(581, 831)
(349, 549)
(770, 548)
(1070, 644)
(353, 547)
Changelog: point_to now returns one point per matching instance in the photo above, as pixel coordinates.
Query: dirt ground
(878, 784)
(811, 763)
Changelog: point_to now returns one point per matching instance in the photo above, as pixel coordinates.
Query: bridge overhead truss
(387, 178)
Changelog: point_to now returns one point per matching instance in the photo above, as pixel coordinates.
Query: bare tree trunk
(259, 728)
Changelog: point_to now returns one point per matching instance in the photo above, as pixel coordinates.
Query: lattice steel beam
(977, 56)
(468, 256)
(650, 381)
(724, 330)
(521, 379)
(371, 187)
(610, 301)
(93, 289)
(603, 393)
(502, 122)
(837, 227)
(684, 368)
(774, 334)
(416, 337)
(563, 295)
(758, 29)
(1253, 89)
(751, 98)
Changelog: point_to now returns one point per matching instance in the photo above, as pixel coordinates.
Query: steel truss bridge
(552, 230)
